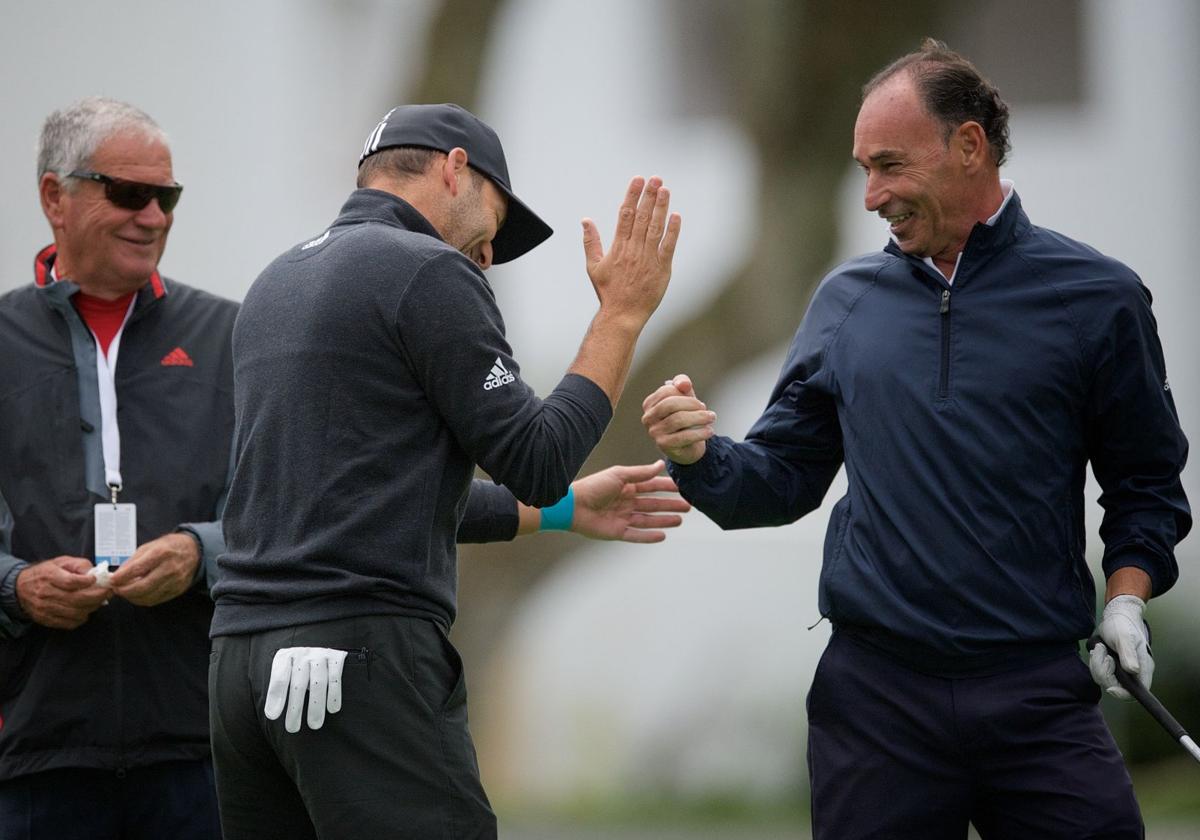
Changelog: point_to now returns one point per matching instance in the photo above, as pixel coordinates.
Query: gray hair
(71, 136)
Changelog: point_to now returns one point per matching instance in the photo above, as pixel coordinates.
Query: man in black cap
(371, 376)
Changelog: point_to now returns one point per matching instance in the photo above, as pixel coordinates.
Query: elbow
(541, 487)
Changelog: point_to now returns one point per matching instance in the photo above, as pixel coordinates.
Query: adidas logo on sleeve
(498, 376)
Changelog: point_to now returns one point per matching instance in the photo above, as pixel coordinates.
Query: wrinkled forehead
(892, 118)
(132, 153)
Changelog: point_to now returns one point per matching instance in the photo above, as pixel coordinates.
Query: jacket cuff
(13, 620)
(211, 540)
(703, 471)
(1131, 556)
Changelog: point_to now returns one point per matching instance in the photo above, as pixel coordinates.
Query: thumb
(640, 472)
(78, 565)
(683, 384)
(593, 251)
(1126, 644)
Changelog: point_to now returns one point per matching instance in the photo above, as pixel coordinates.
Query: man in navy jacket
(965, 376)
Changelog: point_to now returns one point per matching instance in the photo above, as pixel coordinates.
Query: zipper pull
(945, 302)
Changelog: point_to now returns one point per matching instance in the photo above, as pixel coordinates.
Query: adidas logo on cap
(498, 376)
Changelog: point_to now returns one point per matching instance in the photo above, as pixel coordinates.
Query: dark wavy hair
(953, 92)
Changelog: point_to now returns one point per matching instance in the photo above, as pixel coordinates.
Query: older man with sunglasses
(104, 604)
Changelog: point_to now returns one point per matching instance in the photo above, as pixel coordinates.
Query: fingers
(646, 521)
(76, 565)
(675, 414)
(158, 571)
(336, 663)
(277, 687)
(666, 248)
(296, 691)
(683, 383)
(296, 672)
(1146, 674)
(593, 249)
(658, 484)
(318, 686)
(625, 215)
(1127, 650)
(652, 210)
(643, 216)
(661, 504)
(640, 473)
(679, 385)
(1104, 672)
(152, 587)
(59, 593)
(633, 535)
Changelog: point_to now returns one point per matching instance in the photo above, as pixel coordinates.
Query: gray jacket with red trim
(128, 687)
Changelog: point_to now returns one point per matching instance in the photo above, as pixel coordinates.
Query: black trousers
(396, 762)
(172, 799)
(894, 753)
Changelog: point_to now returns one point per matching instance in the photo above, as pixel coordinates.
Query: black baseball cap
(445, 127)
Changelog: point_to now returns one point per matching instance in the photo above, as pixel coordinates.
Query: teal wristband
(559, 515)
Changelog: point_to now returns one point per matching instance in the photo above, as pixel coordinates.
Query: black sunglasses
(133, 195)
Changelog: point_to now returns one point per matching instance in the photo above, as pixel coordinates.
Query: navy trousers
(174, 799)
(894, 753)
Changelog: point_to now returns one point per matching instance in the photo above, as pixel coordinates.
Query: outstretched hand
(631, 278)
(619, 503)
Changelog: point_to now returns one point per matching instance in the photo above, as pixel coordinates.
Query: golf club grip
(1130, 683)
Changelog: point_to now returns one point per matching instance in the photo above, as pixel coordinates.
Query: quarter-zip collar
(984, 241)
(59, 290)
(57, 294)
(368, 205)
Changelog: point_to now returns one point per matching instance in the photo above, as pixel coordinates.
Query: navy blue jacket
(966, 416)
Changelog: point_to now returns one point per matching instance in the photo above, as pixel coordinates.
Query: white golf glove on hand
(1123, 630)
(297, 670)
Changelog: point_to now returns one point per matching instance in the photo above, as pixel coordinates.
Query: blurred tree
(456, 46)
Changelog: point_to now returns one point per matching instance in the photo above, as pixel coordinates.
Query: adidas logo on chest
(498, 376)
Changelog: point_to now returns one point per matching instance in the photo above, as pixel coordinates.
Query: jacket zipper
(944, 376)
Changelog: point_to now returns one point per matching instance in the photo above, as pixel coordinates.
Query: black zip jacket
(128, 687)
(372, 375)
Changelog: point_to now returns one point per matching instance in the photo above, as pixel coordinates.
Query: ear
(454, 166)
(971, 145)
(51, 192)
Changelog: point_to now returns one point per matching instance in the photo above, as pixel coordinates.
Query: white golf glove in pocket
(1123, 632)
(299, 670)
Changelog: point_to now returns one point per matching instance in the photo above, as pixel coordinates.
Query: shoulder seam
(853, 303)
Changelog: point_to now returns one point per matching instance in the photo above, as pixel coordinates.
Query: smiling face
(106, 250)
(474, 219)
(921, 182)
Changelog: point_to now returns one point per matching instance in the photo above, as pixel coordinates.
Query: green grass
(1168, 789)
